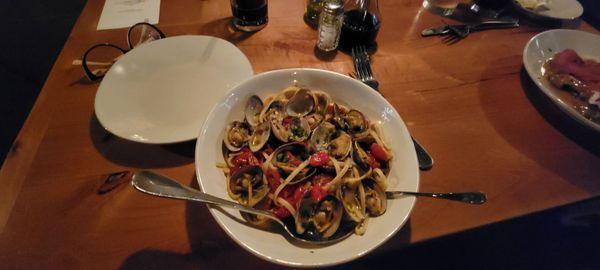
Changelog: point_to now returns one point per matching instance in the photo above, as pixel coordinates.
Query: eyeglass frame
(95, 77)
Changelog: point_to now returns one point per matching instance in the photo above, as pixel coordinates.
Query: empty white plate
(162, 91)
(544, 46)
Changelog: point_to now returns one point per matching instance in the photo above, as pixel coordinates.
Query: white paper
(125, 13)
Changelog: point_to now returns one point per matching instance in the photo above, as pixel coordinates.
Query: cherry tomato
(286, 122)
(373, 162)
(319, 159)
(292, 159)
(274, 179)
(245, 158)
(298, 194)
(317, 193)
(379, 152)
(281, 212)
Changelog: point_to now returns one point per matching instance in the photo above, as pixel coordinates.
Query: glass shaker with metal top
(330, 25)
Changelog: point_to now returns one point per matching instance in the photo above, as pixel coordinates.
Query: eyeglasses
(100, 57)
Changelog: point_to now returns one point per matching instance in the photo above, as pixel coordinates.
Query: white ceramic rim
(369, 91)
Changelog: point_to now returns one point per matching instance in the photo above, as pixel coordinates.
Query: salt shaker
(330, 24)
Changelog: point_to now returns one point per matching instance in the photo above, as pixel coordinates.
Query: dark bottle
(361, 23)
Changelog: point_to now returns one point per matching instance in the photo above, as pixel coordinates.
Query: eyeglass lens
(100, 59)
(142, 33)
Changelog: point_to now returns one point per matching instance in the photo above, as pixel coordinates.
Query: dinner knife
(495, 24)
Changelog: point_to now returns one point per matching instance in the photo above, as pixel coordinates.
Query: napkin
(125, 13)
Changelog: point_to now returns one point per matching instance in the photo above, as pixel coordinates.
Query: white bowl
(544, 46)
(273, 246)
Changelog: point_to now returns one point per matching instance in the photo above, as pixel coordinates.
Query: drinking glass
(441, 7)
(249, 15)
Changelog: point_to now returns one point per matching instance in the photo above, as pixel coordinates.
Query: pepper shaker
(330, 25)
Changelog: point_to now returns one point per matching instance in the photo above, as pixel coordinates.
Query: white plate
(272, 246)
(543, 46)
(557, 9)
(162, 91)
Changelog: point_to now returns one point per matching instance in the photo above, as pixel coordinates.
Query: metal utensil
(465, 197)
(362, 67)
(158, 185)
(468, 28)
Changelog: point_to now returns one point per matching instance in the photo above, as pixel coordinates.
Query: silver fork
(362, 67)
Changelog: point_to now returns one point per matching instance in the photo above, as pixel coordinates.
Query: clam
(321, 100)
(281, 161)
(259, 137)
(300, 104)
(337, 116)
(355, 122)
(360, 156)
(313, 120)
(375, 198)
(321, 136)
(247, 185)
(252, 111)
(236, 135)
(298, 129)
(341, 146)
(351, 200)
(279, 130)
(318, 220)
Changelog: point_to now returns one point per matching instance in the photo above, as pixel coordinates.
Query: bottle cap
(335, 7)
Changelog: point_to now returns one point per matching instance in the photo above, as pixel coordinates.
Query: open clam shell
(236, 136)
(254, 106)
(321, 136)
(259, 137)
(298, 129)
(355, 122)
(375, 198)
(300, 152)
(341, 146)
(318, 220)
(300, 104)
(350, 196)
(248, 185)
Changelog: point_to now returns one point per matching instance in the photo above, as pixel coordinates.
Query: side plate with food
(565, 66)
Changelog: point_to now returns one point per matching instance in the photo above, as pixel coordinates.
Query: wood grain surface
(470, 104)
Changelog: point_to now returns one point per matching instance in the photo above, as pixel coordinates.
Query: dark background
(33, 33)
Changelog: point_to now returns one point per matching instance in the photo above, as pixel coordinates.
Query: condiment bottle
(313, 10)
(362, 21)
(330, 24)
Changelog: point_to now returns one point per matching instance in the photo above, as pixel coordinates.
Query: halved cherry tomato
(286, 122)
(274, 179)
(298, 194)
(245, 158)
(373, 161)
(319, 159)
(379, 152)
(292, 159)
(317, 193)
(281, 212)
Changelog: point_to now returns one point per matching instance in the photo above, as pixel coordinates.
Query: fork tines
(362, 65)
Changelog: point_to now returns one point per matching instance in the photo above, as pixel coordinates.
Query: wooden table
(470, 104)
